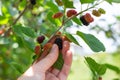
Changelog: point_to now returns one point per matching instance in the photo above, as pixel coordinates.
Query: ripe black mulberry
(82, 18)
(59, 43)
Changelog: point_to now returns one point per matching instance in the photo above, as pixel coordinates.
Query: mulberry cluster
(98, 12)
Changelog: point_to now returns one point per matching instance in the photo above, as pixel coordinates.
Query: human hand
(43, 70)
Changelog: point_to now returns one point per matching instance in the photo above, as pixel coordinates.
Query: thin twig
(68, 19)
(21, 14)
(10, 29)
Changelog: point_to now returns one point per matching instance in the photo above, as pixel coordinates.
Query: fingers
(55, 71)
(67, 56)
(50, 76)
(67, 65)
(49, 60)
(66, 46)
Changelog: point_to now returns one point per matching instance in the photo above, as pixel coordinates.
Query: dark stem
(21, 14)
(10, 29)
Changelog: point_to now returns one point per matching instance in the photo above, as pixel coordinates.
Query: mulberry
(59, 43)
(40, 39)
(96, 13)
(82, 18)
(57, 15)
(71, 13)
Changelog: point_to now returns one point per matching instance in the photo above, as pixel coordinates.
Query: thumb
(50, 59)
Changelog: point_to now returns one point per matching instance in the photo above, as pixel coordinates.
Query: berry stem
(68, 19)
(21, 14)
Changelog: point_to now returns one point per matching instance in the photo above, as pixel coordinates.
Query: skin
(42, 70)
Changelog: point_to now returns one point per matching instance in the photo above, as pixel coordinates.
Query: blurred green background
(80, 70)
(17, 48)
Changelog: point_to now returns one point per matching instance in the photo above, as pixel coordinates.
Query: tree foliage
(22, 21)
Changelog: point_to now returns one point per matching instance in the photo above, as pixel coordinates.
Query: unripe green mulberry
(96, 13)
(102, 11)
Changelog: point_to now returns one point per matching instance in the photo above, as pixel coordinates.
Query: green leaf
(3, 20)
(69, 23)
(71, 38)
(87, 1)
(109, 1)
(116, 1)
(29, 44)
(49, 17)
(21, 31)
(28, 31)
(116, 79)
(118, 17)
(101, 69)
(53, 7)
(93, 65)
(113, 1)
(76, 20)
(17, 66)
(112, 67)
(68, 4)
(0, 8)
(91, 41)
(22, 4)
(17, 30)
(59, 63)
(4, 40)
